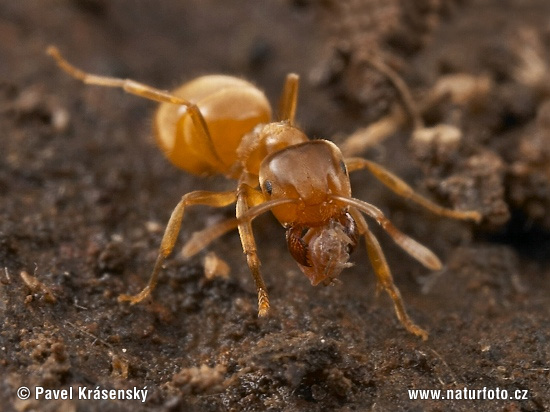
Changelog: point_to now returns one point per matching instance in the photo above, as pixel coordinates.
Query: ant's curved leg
(139, 89)
(289, 98)
(400, 114)
(247, 196)
(401, 188)
(384, 276)
(401, 87)
(200, 197)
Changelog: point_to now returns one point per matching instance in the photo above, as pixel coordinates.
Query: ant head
(322, 252)
(310, 174)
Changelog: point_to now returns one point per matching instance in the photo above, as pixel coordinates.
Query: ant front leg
(384, 276)
(401, 188)
(215, 199)
(246, 197)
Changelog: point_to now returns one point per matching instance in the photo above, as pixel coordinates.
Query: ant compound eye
(343, 167)
(268, 187)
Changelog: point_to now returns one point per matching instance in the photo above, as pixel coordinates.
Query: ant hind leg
(203, 144)
(402, 112)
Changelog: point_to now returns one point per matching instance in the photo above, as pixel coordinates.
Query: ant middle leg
(215, 199)
(398, 186)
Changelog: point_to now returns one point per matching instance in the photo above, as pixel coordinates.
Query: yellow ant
(220, 124)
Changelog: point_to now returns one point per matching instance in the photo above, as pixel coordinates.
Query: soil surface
(85, 194)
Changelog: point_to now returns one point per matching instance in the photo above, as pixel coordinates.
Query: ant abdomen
(230, 108)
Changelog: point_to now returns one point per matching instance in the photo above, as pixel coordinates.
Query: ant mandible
(220, 124)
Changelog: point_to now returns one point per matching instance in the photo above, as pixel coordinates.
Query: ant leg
(248, 196)
(400, 86)
(128, 85)
(215, 199)
(384, 276)
(418, 251)
(289, 98)
(374, 133)
(401, 188)
(202, 238)
(147, 92)
(389, 124)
